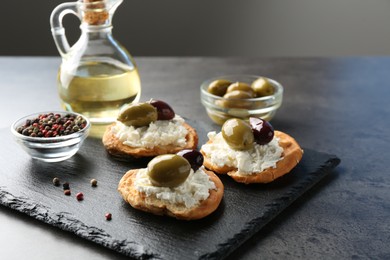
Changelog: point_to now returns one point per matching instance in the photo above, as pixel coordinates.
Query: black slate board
(26, 186)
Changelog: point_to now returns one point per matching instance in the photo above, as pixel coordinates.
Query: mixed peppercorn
(79, 196)
(52, 125)
(108, 216)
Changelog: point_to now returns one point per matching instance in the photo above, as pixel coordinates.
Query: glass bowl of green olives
(241, 96)
(51, 136)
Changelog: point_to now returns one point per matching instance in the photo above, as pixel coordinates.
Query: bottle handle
(58, 29)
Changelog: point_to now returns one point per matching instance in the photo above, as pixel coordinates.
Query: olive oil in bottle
(98, 90)
(97, 74)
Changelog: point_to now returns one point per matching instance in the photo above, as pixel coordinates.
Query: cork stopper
(95, 12)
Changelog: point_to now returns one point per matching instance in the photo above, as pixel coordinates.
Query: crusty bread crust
(116, 148)
(292, 154)
(153, 205)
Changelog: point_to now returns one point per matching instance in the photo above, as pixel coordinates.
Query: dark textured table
(334, 105)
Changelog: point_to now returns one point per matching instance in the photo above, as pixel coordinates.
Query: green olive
(238, 94)
(137, 115)
(168, 170)
(263, 87)
(238, 134)
(218, 87)
(241, 86)
(235, 99)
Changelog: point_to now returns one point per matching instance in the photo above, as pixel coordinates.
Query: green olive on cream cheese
(168, 170)
(139, 114)
(238, 134)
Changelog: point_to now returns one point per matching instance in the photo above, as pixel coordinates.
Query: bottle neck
(96, 31)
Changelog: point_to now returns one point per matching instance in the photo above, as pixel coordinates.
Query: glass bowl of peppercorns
(51, 136)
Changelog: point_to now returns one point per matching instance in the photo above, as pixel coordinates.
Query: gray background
(215, 27)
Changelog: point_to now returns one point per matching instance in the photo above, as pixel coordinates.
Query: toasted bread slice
(292, 154)
(156, 206)
(116, 148)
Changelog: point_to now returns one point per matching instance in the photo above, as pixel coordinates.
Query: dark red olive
(194, 157)
(262, 130)
(164, 111)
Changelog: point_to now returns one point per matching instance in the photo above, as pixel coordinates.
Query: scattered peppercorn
(52, 125)
(108, 216)
(79, 196)
(66, 186)
(56, 181)
(94, 182)
(67, 192)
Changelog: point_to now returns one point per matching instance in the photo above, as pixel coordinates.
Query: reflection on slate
(26, 186)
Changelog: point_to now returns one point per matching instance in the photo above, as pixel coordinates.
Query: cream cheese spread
(158, 133)
(257, 159)
(190, 193)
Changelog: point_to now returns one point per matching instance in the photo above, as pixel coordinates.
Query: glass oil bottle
(97, 75)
